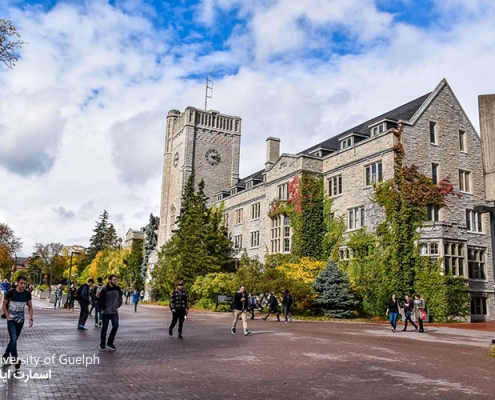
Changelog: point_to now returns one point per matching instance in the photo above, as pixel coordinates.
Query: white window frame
(335, 186)
(465, 179)
(255, 210)
(239, 217)
(356, 218)
(477, 263)
(433, 132)
(238, 242)
(373, 173)
(454, 258)
(463, 148)
(474, 221)
(433, 213)
(255, 239)
(283, 191)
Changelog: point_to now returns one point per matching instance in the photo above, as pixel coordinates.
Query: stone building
(437, 137)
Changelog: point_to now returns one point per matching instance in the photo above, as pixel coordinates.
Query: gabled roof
(402, 113)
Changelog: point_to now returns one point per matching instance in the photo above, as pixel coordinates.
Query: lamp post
(70, 273)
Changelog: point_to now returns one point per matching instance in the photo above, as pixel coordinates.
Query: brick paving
(321, 360)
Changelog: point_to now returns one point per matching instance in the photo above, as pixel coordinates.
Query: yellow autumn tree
(299, 278)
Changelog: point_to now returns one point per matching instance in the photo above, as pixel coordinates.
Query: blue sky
(82, 115)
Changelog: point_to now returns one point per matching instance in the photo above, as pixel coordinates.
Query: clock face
(176, 159)
(213, 157)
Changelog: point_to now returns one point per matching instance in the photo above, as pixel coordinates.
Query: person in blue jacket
(135, 297)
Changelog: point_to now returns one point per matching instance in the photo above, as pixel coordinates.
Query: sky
(82, 114)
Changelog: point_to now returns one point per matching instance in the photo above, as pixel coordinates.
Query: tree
(196, 248)
(131, 272)
(50, 261)
(9, 43)
(104, 236)
(332, 289)
(9, 245)
(150, 242)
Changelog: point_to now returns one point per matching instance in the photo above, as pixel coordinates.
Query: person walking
(13, 306)
(393, 311)
(58, 297)
(5, 287)
(83, 297)
(71, 294)
(241, 305)
(287, 301)
(252, 305)
(127, 293)
(272, 307)
(179, 306)
(419, 305)
(110, 302)
(135, 297)
(95, 301)
(408, 308)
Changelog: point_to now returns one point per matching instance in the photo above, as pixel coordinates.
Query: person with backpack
(95, 301)
(272, 307)
(287, 301)
(83, 297)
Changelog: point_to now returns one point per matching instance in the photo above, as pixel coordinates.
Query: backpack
(98, 291)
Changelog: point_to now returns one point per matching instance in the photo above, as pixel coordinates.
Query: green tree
(130, 274)
(9, 246)
(50, 260)
(194, 248)
(333, 295)
(10, 42)
(104, 236)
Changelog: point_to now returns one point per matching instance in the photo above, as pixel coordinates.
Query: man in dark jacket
(83, 298)
(110, 302)
(272, 307)
(179, 305)
(240, 304)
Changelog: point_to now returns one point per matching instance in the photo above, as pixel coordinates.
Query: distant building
(132, 235)
(437, 137)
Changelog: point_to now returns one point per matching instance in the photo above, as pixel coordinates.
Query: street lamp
(70, 273)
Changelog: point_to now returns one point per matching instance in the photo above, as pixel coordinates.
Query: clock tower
(205, 144)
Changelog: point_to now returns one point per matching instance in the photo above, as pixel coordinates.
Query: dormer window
(376, 130)
(348, 142)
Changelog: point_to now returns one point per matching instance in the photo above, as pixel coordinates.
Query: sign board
(224, 298)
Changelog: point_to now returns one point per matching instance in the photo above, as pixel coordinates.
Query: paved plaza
(318, 360)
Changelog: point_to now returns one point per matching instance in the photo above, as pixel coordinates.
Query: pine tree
(104, 236)
(331, 287)
(199, 245)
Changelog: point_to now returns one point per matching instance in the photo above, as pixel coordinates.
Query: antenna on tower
(209, 90)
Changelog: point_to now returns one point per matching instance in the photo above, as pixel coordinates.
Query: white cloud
(82, 116)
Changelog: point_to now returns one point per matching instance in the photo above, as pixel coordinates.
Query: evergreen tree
(150, 243)
(104, 236)
(333, 296)
(199, 245)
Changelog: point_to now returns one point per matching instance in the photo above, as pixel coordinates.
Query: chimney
(272, 151)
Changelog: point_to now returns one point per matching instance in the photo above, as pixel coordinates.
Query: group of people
(244, 304)
(412, 311)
